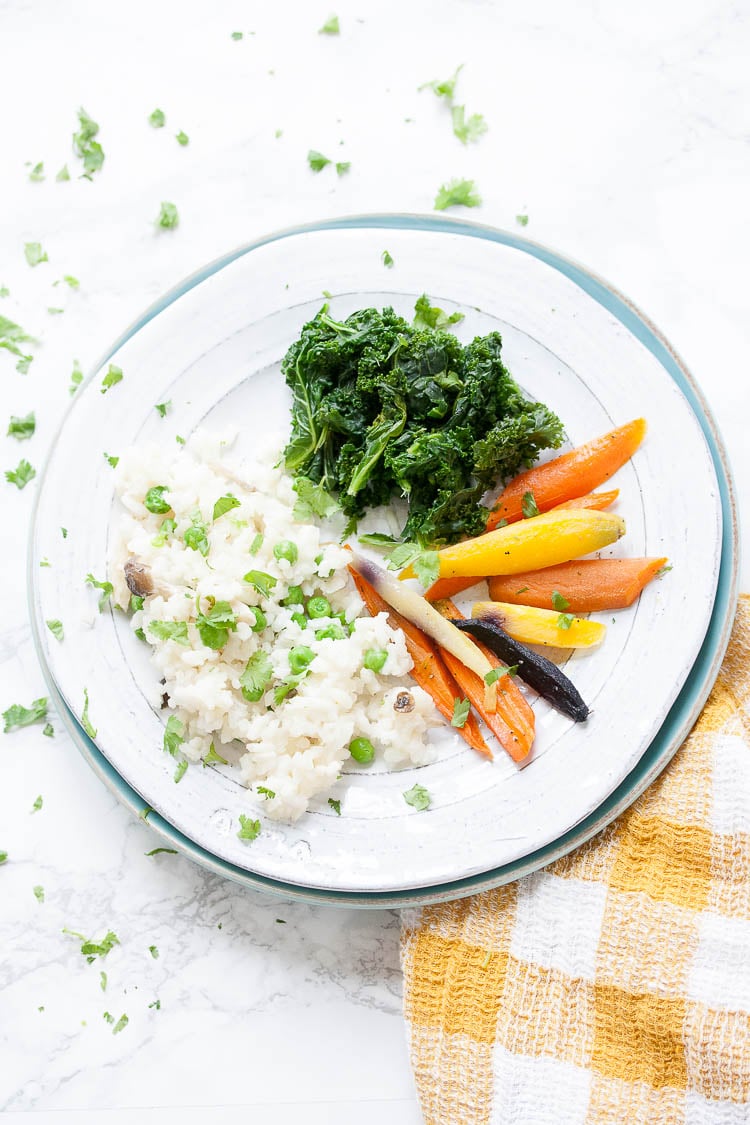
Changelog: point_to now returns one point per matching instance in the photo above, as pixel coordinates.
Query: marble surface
(621, 130)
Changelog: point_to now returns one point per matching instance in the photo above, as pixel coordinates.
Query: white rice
(295, 748)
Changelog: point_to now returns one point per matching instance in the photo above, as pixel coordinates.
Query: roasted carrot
(447, 587)
(429, 669)
(597, 500)
(513, 722)
(573, 474)
(587, 585)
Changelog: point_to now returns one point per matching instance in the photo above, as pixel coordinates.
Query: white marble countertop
(621, 130)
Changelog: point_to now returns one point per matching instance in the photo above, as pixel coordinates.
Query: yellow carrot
(542, 626)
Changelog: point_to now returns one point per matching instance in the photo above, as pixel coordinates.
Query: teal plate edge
(683, 712)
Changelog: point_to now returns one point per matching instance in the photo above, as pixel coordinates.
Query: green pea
(286, 550)
(318, 607)
(294, 597)
(362, 750)
(300, 619)
(260, 619)
(333, 632)
(375, 659)
(299, 658)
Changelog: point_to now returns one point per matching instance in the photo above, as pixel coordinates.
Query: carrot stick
(573, 474)
(447, 587)
(587, 585)
(597, 500)
(429, 669)
(513, 722)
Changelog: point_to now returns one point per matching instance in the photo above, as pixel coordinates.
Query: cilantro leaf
(493, 676)
(213, 756)
(38, 804)
(39, 893)
(12, 335)
(55, 627)
(180, 771)
(196, 536)
(249, 829)
(156, 1003)
(112, 378)
(342, 167)
(154, 952)
(445, 88)
(316, 160)
(36, 175)
(4, 291)
(461, 711)
(378, 539)
(457, 193)
(174, 735)
(565, 620)
(418, 797)
(91, 949)
(21, 475)
(467, 129)
(225, 504)
(176, 631)
(105, 587)
(154, 501)
(387, 260)
(558, 601)
(335, 805)
(70, 281)
(121, 1024)
(430, 316)
(48, 730)
(214, 627)
(22, 428)
(63, 174)
(85, 147)
(529, 506)
(34, 253)
(162, 407)
(168, 217)
(262, 582)
(313, 500)
(85, 720)
(522, 220)
(257, 676)
(111, 460)
(267, 793)
(76, 378)
(19, 716)
(330, 27)
(182, 138)
(427, 567)
(157, 119)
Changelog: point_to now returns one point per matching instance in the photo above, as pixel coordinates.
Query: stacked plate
(212, 347)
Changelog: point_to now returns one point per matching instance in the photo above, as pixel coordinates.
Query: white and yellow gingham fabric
(614, 986)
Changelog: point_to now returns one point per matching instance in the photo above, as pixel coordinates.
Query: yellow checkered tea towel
(614, 986)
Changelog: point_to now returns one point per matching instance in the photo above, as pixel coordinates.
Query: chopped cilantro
(24, 364)
(215, 626)
(387, 260)
(85, 720)
(112, 378)
(121, 1024)
(316, 160)
(330, 27)
(168, 217)
(157, 119)
(249, 829)
(103, 981)
(558, 601)
(105, 587)
(461, 710)
(565, 620)
(76, 377)
(225, 504)
(196, 536)
(256, 677)
(48, 730)
(55, 627)
(313, 500)
(38, 804)
(21, 428)
(257, 542)
(19, 716)
(180, 771)
(403, 555)
(467, 129)
(162, 407)
(529, 506)
(335, 805)
(445, 88)
(84, 145)
(431, 316)
(182, 138)
(12, 335)
(38, 893)
(70, 281)
(213, 756)
(154, 952)
(418, 797)
(64, 531)
(155, 1004)
(34, 253)
(427, 567)
(154, 501)
(457, 193)
(140, 634)
(378, 539)
(113, 461)
(342, 167)
(63, 174)
(21, 475)
(36, 175)
(108, 1017)
(176, 631)
(174, 735)
(262, 582)
(663, 570)
(179, 440)
(159, 851)
(493, 676)
(267, 793)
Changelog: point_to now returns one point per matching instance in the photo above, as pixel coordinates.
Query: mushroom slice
(138, 577)
(404, 703)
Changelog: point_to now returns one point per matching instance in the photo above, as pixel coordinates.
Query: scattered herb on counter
(48, 730)
(249, 829)
(36, 175)
(4, 291)
(85, 147)
(418, 797)
(237, 35)
(224, 504)
(34, 253)
(112, 378)
(154, 952)
(335, 805)
(103, 981)
(182, 138)
(55, 627)
(162, 407)
(12, 335)
(38, 893)
(522, 220)
(24, 364)
(91, 949)
(70, 281)
(445, 88)
(121, 1024)
(316, 160)
(168, 217)
(330, 27)
(108, 1017)
(342, 167)
(64, 532)
(467, 128)
(76, 378)
(21, 428)
(19, 716)
(38, 804)
(155, 1004)
(63, 175)
(457, 193)
(461, 711)
(85, 720)
(105, 587)
(529, 506)
(21, 475)
(176, 631)
(387, 260)
(157, 119)
(111, 460)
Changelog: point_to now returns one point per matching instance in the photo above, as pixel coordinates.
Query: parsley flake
(155, 1004)
(249, 829)
(330, 27)
(237, 35)
(121, 1024)
(103, 981)
(316, 160)
(34, 253)
(461, 710)
(267, 793)
(21, 475)
(11, 336)
(24, 364)
(168, 217)
(3, 857)
(529, 506)
(113, 461)
(112, 378)
(157, 119)
(335, 805)
(457, 193)
(48, 730)
(22, 428)
(418, 797)
(70, 281)
(342, 167)
(55, 627)
(154, 952)
(445, 88)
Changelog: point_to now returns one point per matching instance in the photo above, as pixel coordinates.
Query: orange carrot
(573, 474)
(447, 587)
(587, 585)
(429, 669)
(513, 722)
(597, 500)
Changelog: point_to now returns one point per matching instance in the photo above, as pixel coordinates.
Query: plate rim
(678, 720)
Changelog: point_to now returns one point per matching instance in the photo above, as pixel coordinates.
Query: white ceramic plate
(215, 353)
